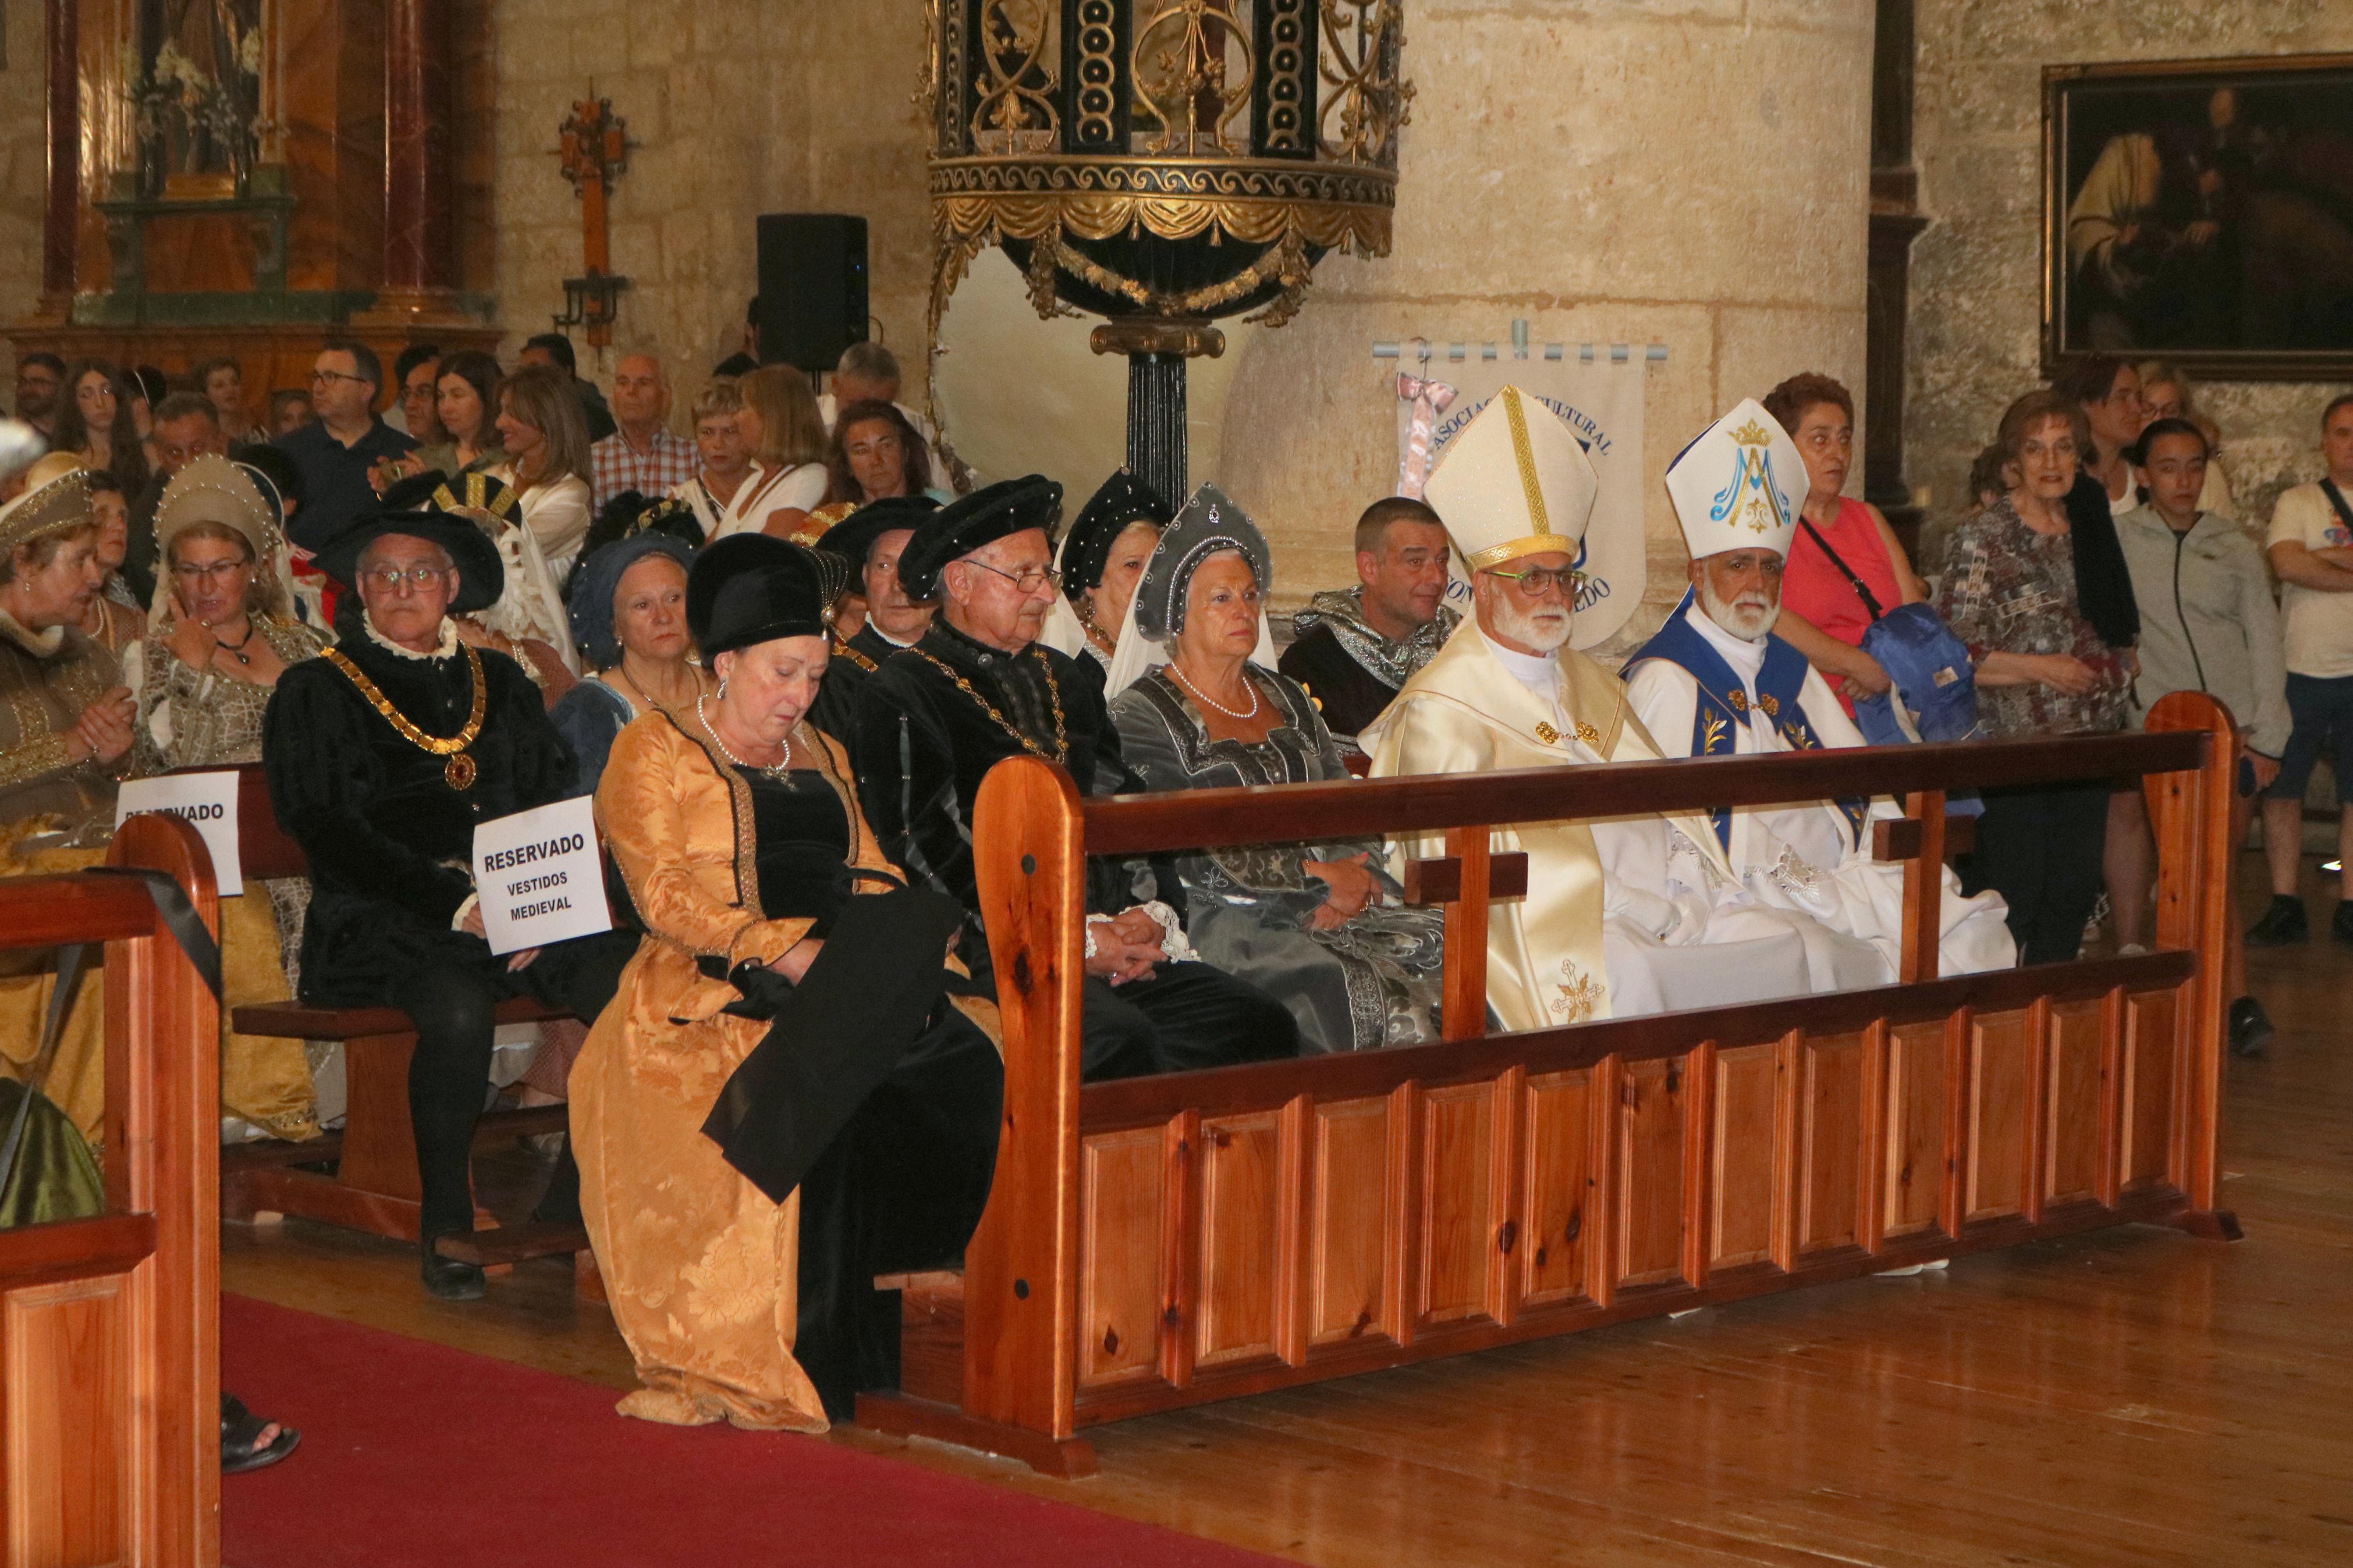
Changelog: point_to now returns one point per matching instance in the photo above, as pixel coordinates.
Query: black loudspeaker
(812, 288)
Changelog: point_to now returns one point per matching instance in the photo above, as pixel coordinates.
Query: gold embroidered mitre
(1515, 482)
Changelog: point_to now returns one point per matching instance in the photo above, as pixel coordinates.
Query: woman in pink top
(1821, 611)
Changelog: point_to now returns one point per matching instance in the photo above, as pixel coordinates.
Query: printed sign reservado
(540, 877)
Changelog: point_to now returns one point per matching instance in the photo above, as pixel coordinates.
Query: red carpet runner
(414, 1454)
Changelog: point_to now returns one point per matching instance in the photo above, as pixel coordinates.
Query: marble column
(61, 216)
(417, 255)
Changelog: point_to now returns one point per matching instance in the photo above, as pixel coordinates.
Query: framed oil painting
(2201, 210)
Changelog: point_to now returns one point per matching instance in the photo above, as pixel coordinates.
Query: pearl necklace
(775, 770)
(1248, 685)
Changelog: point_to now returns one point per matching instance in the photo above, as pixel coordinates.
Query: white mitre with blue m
(1738, 485)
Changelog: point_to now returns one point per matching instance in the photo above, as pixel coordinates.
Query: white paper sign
(540, 877)
(205, 802)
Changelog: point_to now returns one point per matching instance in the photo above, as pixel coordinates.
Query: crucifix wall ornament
(596, 148)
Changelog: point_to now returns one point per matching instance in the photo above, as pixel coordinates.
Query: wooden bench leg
(379, 1142)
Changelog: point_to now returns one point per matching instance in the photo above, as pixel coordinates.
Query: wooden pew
(374, 1187)
(1160, 1241)
(110, 1336)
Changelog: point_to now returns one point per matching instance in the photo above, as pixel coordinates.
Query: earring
(723, 688)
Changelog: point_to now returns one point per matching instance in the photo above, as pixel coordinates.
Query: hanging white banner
(1603, 405)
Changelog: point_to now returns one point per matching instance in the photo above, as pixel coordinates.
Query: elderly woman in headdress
(527, 623)
(1103, 553)
(781, 1102)
(628, 619)
(221, 631)
(1315, 925)
(65, 717)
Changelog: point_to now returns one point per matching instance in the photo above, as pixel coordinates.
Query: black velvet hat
(1086, 546)
(750, 588)
(1210, 522)
(852, 538)
(425, 506)
(968, 522)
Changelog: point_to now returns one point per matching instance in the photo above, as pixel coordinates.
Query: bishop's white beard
(1749, 617)
(1541, 630)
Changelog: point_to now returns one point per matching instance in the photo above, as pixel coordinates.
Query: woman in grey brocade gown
(1317, 925)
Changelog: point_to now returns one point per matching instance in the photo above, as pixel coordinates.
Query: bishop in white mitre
(1716, 681)
(1619, 917)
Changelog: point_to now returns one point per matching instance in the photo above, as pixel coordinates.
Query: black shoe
(2341, 925)
(447, 1279)
(2250, 1027)
(2282, 923)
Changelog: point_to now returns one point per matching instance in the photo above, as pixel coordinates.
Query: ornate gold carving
(1016, 79)
(1369, 104)
(1139, 336)
(1184, 64)
(1094, 84)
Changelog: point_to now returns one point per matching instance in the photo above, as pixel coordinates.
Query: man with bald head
(640, 455)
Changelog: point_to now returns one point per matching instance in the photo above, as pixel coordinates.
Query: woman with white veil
(1200, 705)
(1103, 553)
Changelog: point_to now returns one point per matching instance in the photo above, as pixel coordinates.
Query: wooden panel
(1916, 1111)
(2152, 1060)
(70, 1435)
(1123, 1193)
(2074, 1093)
(1348, 1275)
(1242, 1226)
(1745, 1189)
(1560, 1185)
(1830, 1178)
(1458, 1204)
(1651, 1114)
(2001, 1115)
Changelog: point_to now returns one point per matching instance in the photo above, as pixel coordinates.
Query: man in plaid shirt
(642, 455)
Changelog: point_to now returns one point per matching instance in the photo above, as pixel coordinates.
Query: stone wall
(1690, 172)
(23, 164)
(1975, 317)
(1648, 171)
(736, 109)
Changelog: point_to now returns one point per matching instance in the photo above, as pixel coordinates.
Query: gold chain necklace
(849, 650)
(458, 772)
(1061, 752)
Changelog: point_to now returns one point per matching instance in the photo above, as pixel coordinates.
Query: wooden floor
(2135, 1397)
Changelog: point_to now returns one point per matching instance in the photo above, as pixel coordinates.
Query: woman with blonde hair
(2168, 394)
(785, 436)
(221, 631)
(545, 433)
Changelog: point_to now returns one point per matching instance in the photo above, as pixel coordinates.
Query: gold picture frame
(2201, 211)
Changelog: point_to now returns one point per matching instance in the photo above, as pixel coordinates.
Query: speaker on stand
(813, 297)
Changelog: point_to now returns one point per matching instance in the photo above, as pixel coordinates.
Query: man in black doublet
(870, 542)
(923, 742)
(388, 820)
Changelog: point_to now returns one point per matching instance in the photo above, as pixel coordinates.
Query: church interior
(1503, 1001)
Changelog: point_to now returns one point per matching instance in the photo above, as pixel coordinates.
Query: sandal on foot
(242, 1448)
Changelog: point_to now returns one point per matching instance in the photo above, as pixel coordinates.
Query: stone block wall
(1976, 301)
(736, 109)
(1690, 173)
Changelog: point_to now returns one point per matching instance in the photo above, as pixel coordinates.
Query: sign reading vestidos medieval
(205, 802)
(1602, 403)
(540, 877)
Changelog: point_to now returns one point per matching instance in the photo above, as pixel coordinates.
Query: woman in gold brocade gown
(782, 1101)
(221, 631)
